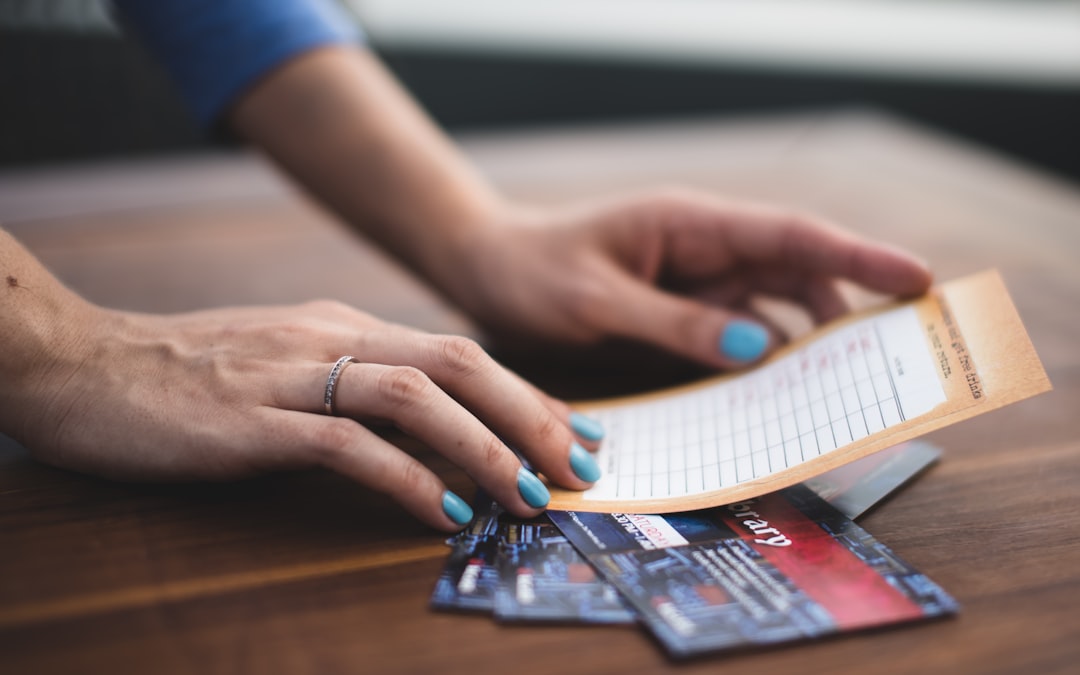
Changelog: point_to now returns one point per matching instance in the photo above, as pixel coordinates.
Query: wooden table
(307, 573)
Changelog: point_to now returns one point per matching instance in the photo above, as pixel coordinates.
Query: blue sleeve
(215, 49)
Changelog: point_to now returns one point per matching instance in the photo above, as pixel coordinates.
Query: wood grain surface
(305, 573)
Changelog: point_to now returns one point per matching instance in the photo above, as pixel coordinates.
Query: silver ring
(331, 382)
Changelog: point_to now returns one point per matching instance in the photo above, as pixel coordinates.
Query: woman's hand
(227, 393)
(673, 268)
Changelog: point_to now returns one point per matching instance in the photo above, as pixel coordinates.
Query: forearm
(338, 122)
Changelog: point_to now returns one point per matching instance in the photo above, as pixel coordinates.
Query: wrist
(463, 261)
(45, 335)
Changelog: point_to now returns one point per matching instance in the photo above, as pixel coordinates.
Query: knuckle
(798, 220)
(693, 327)
(804, 227)
(403, 385)
(797, 233)
(461, 355)
(671, 194)
(412, 478)
(493, 451)
(549, 430)
(300, 328)
(806, 237)
(328, 307)
(331, 440)
(588, 301)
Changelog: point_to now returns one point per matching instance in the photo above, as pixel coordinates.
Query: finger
(589, 431)
(348, 448)
(497, 397)
(824, 299)
(407, 398)
(546, 431)
(710, 227)
(825, 250)
(712, 335)
(819, 295)
(729, 290)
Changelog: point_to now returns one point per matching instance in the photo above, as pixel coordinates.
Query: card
(544, 579)
(783, 567)
(853, 489)
(470, 576)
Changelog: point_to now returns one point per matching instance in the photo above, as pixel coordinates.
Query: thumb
(703, 333)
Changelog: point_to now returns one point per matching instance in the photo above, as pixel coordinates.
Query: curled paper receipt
(851, 388)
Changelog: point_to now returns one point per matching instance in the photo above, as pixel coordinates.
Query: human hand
(227, 393)
(673, 268)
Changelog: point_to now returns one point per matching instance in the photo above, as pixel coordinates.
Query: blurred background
(1003, 73)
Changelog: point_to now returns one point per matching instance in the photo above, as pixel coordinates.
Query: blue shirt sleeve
(215, 49)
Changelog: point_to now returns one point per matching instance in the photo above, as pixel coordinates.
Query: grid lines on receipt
(840, 388)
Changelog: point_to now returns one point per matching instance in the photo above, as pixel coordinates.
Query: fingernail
(456, 509)
(586, 427)
(743, 340)
(532, 489)
(583, 464)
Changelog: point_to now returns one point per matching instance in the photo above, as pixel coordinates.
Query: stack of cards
(787, 566)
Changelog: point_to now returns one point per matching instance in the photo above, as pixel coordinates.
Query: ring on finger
(331, 382)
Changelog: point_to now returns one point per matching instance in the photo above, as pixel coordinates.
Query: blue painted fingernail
(743, 340)
(583, 464)
(532, 489)
(456, 509)
(586, 427)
